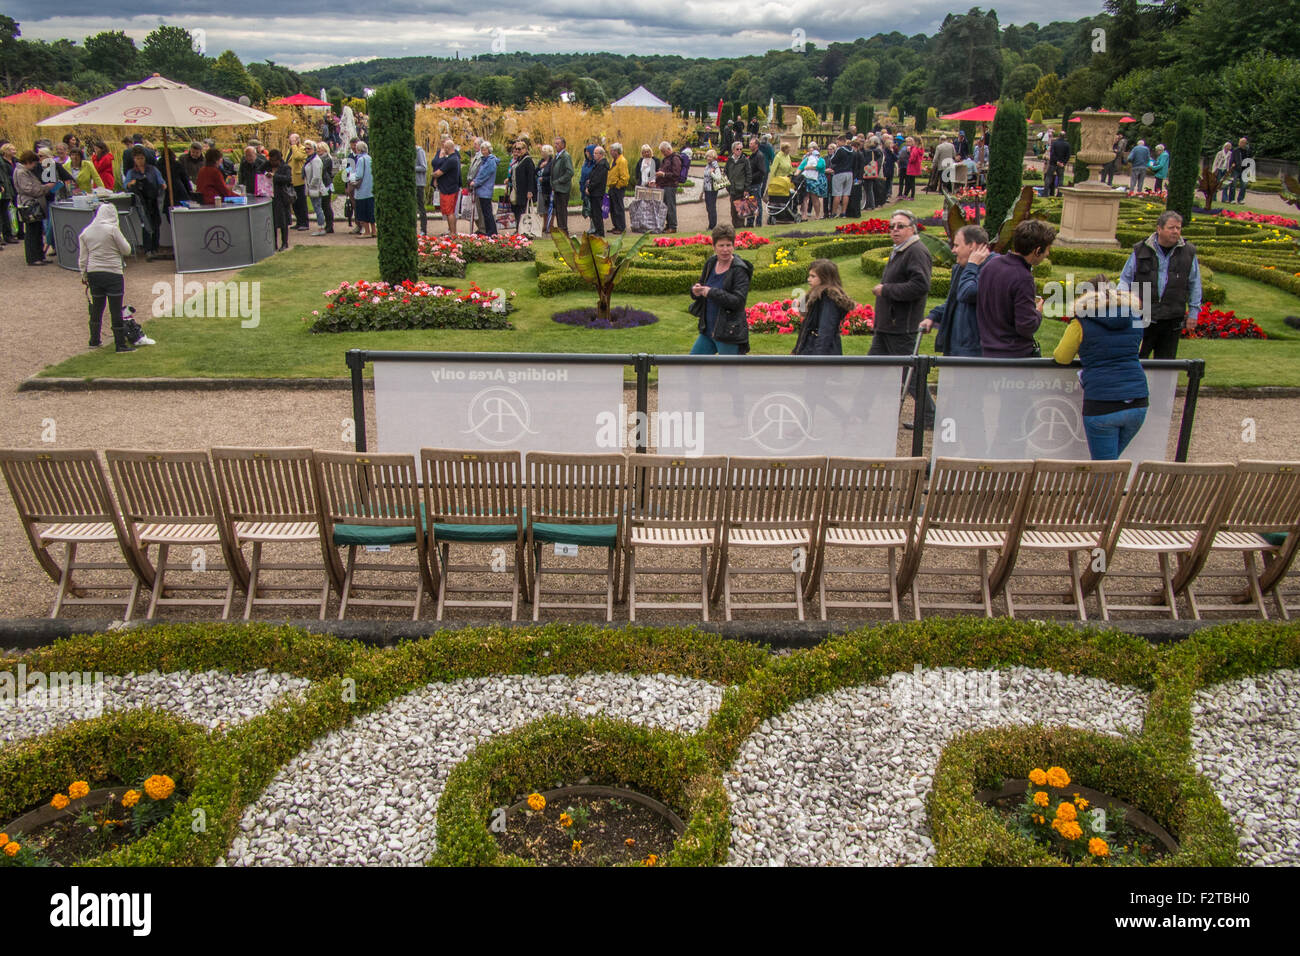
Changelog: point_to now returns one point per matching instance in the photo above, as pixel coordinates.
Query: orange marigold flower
(159, 787)
(651, 860)
(130, 798)
(11, 849)
(1041, 798)
(1066, 811)
(59, 802)
(1039, 818)
(4, 838)
(1098, 847)
(1057, 777)
(537, 801)
(1067, 828)
(577, 845)
(566, 820)
(78, 789)
(1080, 802)
(629, 842)
(1037, 777)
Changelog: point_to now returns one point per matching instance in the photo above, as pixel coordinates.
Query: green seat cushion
(1275, 538)
(600, 535)
(474, 532)
(349, 534)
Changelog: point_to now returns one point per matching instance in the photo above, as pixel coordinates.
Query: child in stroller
(784, 194)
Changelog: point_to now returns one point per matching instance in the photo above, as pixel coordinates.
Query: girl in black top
(825, 309)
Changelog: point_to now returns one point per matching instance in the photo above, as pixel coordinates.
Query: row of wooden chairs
(804, 510)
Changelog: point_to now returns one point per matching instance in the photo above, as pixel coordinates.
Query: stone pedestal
(1089, 216)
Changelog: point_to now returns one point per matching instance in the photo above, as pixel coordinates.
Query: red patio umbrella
(461, 103)
(298, 99)
(39, 96)
(980, 114)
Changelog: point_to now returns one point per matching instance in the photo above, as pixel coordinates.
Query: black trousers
(561, 211)
(6, 229)
(328, 202)
(106, 287)
(280, 215)
(597, 215)
(711, 206)
(617, 222)
(300, 206)
(34, 242)
(488, 216)
(904, 343)
(854, 208)
(424, 213)
(1160, 340)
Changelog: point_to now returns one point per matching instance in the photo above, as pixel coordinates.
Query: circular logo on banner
(779, 422)
(69, 239)
(202, 112)
(499, 416)
(80, 113)
(137, 113)
(270, 232)
(1052, 424)
(217, 240)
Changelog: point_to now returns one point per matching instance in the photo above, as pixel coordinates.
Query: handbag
(745, 207)
(31, 211)
(530, 224)
(263, 188)
(465, 205)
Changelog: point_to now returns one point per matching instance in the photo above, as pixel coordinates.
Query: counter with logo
(72, 216)
(211, 238)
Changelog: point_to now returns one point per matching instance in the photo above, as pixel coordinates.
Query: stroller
(784, 194)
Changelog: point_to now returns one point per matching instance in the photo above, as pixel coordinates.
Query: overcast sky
(307, 35)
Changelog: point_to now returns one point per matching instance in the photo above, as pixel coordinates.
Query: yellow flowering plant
(1059, 821)
(537, 802)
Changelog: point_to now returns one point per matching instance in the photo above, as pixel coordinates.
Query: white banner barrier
(534, 406)
(766, 410)
(1032, 412)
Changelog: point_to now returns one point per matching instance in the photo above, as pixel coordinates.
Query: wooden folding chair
(1170, 508)
(1262, 518)
(772, 503)
(576, 500)
(62, 497)
(674, 503)
(1071, 509)
(870, 504)
(371, 500)
(169, 499)
(972, 505)
(474, 497)
(269, 497)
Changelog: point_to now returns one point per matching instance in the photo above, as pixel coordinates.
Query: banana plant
(1018, 213)
(599, 264)
(1291, 190)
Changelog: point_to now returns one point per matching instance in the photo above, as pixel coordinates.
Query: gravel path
(212, 699)
(369, 794)
(842, 778)
(1246, 740)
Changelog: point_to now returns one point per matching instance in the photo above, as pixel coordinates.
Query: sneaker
(125, 348)
(95, 343)
(144, 340)
(318, 232)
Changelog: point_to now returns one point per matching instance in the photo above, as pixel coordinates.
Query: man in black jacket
(1057, 156)
(900, 294)
(561, 183)
(757, 180)
(596, 187)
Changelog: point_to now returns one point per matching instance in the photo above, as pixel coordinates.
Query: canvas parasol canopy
(158, 101)
(39, 97)
(980, 114)
(461, 103)
(1123, 119)
(298, 99)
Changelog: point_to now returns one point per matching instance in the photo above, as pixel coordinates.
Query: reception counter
(71, 218)
(211, 238)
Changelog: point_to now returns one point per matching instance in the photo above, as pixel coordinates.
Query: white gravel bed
(1246, 741)
(368, 794)
(212, 699)
(842, 779)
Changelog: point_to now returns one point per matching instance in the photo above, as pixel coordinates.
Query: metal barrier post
(921, 375)
(641, 364)
(356, 359)
(1195, 372)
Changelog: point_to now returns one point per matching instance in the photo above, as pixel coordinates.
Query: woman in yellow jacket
(85, 174)
(618, 180)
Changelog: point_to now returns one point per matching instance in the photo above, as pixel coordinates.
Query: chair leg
(537, 578)
(1252, 574)
(916, 598)
(135, 596)
(612, 571)
(893, 585)
(629, 569)
(254, 569)
(704, 583)
(444, 562)
(1101, 600)
(1167, 575)
(325, 593)
(726, 585)
(514, 586)
(798, 595)
(347, 580)
(158, 582)
(65, 578)
(419, 592)
(821, 595)
(230, 596)
(984, 583)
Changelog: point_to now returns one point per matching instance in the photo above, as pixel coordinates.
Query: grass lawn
(282, 347)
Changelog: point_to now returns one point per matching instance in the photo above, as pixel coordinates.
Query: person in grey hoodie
(101, 247)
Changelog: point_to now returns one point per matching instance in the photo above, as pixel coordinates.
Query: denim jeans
(707, 346)
(1109, 435)
(1137, 179)
(711, 206)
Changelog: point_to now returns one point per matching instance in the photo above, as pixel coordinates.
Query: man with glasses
(900, 294)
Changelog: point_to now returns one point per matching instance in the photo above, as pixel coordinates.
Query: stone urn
(1091, 209)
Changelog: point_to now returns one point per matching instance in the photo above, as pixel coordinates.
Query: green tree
(966, 67)
(1185, 161)
(1083, 88)
(1217, 32)
(392, 152)
(740, 79)
(856, 82)
(170, 51)
(496, 90)
(591, 94)
(1006, 162)
(335, 96)
(1021, 81)
(922, 118)
(230, 79)
(113, 54)
(909, 94)
(865, 118)
(1046, 56)
(1045, 95)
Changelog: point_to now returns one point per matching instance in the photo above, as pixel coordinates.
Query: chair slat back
(49, 486)
(974, 495)
(1075, 496)
(266, 484)
(775, 492)
(365, 488)
(576, 489)
(878, 493)
(673, 492)
(472, 487)
(1175, 496)
(1264, 497)
(164, 487)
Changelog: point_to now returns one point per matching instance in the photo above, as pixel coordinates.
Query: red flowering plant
(373, 306)
(861, 320)
(1267, 219)
(447, 255)
(864, 227)
(782, 317)
(744, 240)
(1212, 323)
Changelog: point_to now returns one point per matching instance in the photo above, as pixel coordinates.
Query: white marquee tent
(643, 98)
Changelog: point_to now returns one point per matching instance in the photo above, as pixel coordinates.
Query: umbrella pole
(167, 167)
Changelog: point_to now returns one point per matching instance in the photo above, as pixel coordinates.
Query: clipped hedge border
(125, 747)
(555, 750)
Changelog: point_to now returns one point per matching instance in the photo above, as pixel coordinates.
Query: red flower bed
(864, 227)
(782, 317)
(744, 240)
(1212, 323)
(1267, 219)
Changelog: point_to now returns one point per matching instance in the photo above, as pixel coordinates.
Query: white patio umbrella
(158, 101)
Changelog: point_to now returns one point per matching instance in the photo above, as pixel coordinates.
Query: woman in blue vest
(1105, 334)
